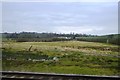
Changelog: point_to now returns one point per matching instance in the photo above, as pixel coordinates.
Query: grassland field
(71, 57)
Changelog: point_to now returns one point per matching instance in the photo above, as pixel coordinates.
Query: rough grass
(74, 57)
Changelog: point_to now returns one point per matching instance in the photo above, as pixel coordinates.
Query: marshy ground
(72, 57)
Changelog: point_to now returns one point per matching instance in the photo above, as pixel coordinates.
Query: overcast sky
(60, 17)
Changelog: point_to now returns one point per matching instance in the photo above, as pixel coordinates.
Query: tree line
(49, 37)
(33, 36)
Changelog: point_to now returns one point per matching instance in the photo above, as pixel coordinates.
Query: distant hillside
(112, 39)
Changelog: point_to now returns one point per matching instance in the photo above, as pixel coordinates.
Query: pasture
(71, 57)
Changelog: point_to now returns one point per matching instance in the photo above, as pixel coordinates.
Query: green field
(71, 57)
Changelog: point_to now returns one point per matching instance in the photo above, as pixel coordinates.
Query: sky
(60, 0)
(98, 18)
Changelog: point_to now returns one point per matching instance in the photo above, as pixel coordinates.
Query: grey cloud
(93, 18)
